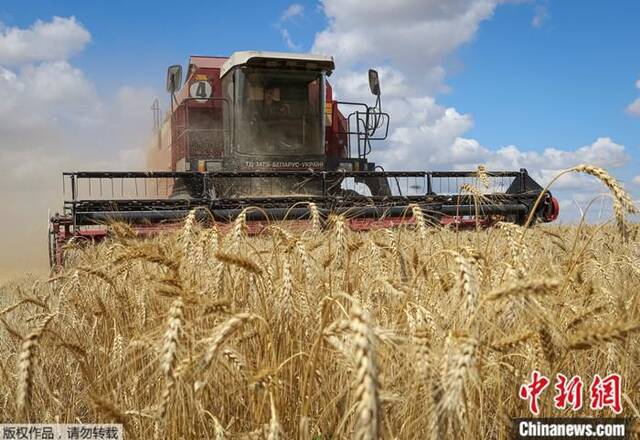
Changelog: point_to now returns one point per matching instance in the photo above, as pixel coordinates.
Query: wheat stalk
(218, 430)
(405, 338)
(275, 430)
(624, 199)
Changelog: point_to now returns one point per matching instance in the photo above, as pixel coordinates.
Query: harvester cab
(277, 114)
(263, 130)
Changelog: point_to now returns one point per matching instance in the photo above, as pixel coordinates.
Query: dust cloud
(31, 185)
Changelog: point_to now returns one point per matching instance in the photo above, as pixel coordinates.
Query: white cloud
(294, 10)
(38, 101)
(409, 44)
(424, 133)
(636, 180)
(287, 40)
(634, 108)
(52, 119)
(43, 41)
(413, 36)
(603, 152)
(541, 15)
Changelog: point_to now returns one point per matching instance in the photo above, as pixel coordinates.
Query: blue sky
(561, 84)
(134, 41)
(541, 84)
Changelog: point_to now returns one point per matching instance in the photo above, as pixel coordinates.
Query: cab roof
(259, 58)
(207, 62)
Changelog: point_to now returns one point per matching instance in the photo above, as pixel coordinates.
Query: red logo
(603, 392)
(606, 392)
(532, 390)
(569, 392)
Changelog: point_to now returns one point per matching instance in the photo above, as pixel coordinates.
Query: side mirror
(174, 78)
(374, 82)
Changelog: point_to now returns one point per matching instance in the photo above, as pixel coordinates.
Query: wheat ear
(187, 231)
(367, 405)
(419, 219)
(239, 261)
(603, 334)
(468, 284)
(26, 364)
(316, 225)
(223, 333)
(483, 177)
(524, 288)
(240, 227)
(459, 369)
(169, 351)
(341, 241)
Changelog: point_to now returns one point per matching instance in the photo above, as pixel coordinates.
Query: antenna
(157, 117)
(156, 114)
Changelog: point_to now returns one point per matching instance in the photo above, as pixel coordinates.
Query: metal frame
(517, 200)
(364, 131)
(86, 218)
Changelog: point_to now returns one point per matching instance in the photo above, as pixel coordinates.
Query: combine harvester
(262, 129)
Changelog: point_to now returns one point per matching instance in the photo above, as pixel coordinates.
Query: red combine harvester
(262, 129)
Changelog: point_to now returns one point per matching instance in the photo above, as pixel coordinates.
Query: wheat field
(321, 332)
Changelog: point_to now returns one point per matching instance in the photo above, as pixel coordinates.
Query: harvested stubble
(321, 334)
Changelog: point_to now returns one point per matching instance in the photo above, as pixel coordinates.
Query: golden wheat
(322, 332)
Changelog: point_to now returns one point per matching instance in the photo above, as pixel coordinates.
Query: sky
(541, 84)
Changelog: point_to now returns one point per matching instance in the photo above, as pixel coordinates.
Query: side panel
(197, 132)
(336, 139)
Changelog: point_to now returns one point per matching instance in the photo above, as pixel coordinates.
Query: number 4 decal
(200, 89)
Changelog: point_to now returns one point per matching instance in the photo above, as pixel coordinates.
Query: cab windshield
(280, 112)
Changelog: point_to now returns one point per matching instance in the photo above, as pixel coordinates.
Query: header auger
(262, 129)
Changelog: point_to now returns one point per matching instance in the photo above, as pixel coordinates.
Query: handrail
(267, 173)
